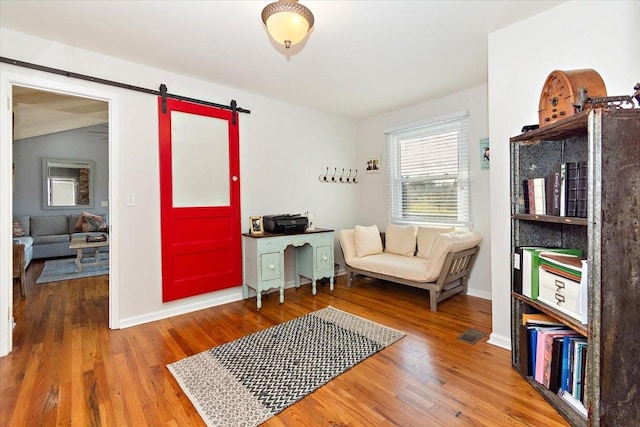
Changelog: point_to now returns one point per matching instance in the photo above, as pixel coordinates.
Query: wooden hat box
(561, 91)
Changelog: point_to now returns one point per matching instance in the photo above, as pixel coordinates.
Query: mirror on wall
(67, 184)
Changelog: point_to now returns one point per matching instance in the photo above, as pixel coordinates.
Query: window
(429, 172)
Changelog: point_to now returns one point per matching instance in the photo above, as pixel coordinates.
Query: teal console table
(263, 260)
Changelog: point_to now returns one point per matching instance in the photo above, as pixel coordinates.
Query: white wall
(374, 201)
(595, 34)
(77, 144)
(283, 147)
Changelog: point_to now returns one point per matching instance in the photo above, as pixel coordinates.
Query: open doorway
(59, 113)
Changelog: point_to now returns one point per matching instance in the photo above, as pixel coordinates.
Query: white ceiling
(361, 59)
(38, 112)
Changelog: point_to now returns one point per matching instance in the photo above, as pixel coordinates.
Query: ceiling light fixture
(287, 21)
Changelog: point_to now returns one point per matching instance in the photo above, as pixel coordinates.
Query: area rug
(247, 381)
(56, 270)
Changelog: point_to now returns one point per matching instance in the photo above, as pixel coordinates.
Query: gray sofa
(49, 236)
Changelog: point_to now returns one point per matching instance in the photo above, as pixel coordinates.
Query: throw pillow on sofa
(426, 236)
(18, 231)
(368, 241)
(88, 222)
(400, 240)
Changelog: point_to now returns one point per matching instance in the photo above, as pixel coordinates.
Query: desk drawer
(323, 238)
(270, 266)
(324, 258)
(268, 245)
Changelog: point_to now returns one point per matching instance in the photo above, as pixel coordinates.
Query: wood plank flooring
(68, 368)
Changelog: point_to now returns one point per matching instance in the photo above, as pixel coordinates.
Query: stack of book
(563, 283)
(561, 193)
(526, 268)
(555, 356)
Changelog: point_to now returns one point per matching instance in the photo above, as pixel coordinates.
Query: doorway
(99, 108)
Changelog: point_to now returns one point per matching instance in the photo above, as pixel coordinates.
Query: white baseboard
(218, 298)
(500, 341)
(479, 294)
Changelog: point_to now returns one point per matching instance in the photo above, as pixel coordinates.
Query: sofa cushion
(426, 236)
(27, 241)
(18, 231)
(400, 239)
(403, 267)
(367, 240)
(347, 239)
(52, 238)
(449, 242)
(49, 225)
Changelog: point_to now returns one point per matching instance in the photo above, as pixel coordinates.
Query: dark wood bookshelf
(607, 140)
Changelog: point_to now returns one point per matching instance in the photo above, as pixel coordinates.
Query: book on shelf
(552, 189)
(583, 182)
(572, 178)
(522, 279)
(579, 364)
(573, 402)
(562, 192)
(525, 196)
(531, 195)
(584, 292)
(565, 265)
(531, 346)
(548, 359)
(541, 319)
(568, 355)
(539, 196)
(525, 364)
(517, 270)
(563, 189)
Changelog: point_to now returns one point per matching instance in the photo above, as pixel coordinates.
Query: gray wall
(74, 144)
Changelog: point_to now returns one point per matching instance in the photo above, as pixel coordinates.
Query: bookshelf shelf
(567, 320)
(551, 218)
(606, 140)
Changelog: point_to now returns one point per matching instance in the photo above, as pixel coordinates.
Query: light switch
(131, 199)
(104, 203)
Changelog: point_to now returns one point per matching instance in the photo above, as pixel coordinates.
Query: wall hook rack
(342, 178)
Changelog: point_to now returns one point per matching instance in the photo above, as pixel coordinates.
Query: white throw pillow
(368, 240)
(426, 236)
(400, 239)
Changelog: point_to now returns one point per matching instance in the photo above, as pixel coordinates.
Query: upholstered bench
(432, 258)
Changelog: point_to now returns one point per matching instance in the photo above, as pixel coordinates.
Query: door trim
(7, 80)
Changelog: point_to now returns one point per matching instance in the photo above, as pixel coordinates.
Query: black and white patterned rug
(247, 381)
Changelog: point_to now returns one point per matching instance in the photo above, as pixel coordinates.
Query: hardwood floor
(68, 368)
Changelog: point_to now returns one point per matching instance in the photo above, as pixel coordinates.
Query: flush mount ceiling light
(287, 21)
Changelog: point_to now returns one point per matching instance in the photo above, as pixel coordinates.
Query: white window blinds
(429, 173)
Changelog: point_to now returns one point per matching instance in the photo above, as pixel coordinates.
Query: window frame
(417, 133)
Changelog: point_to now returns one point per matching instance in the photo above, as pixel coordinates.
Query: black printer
(285, 223)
